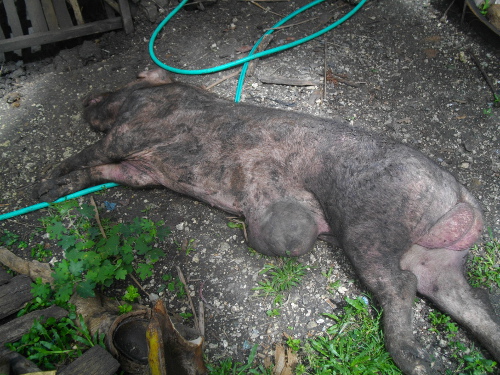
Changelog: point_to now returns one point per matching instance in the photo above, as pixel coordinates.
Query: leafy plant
(354, 345)
(7, 238)
(54, 342)
(273, 312)
(131, 295)
(280, 279)
(293, 344)
(484, 266)
(40, 252)
(92, 259)
(483, 7)
(173, 285)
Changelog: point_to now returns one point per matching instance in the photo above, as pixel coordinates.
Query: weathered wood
(13, 20)
(36, 16)
(22, 365)
(62, 14)
(77, 11)
(4, 276)
(2, 36)
(14, 295)
(15, 329)
(50, 14)
(4, 366)
(126, 16)
(57, 36)
(95, 361)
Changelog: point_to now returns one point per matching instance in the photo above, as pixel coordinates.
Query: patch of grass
(280, 279)
(92, 259)
(484, 265)
(229, 367)
(354, 344)
(55, 342)
(469, 359)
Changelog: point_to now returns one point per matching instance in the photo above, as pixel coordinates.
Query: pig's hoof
(49, 191)
(412, 359)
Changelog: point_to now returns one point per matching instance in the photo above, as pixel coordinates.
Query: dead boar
(405, 224)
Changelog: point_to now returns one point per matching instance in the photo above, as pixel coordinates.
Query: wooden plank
(57, 36)
(50, 14)
(15, 329)
(77, 11)
(36, 16)
(2, 56)
(126, 16)
(95, 361)
(4, 275)
(13, 18)
(14, 295)
(62, 13)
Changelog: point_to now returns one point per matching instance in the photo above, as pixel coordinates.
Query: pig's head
(101, 110)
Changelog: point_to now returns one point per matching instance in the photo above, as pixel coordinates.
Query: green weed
(483, 7)
(173, 285)
(93, 260)
(7, 238)
(130, 296)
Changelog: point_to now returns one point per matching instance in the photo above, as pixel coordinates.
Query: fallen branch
(183, 281)
(225, 78)
(277, 80)
(92, 201)
(262, 46)
(485, 76)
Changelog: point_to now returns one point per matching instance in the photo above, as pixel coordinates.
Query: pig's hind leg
(374, 252)
(440, 274)
(283, 228)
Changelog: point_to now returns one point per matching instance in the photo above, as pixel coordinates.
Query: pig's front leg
(123, 173)
(89, 157)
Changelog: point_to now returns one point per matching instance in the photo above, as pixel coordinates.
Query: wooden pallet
(57, 20)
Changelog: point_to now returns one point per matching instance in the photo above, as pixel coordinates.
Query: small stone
(312, 324)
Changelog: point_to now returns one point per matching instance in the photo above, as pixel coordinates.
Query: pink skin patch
(458, 229)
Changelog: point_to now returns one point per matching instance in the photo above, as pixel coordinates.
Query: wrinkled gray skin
(405, 224)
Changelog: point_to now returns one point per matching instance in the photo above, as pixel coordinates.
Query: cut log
(34, 268)
(95, 361)
(14, 295)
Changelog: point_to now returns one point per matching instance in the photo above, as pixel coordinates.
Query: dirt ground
(409, 72)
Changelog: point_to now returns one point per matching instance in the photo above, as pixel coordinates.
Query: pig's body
(405, 224)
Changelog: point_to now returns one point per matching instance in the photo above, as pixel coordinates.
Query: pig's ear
(157, 76)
